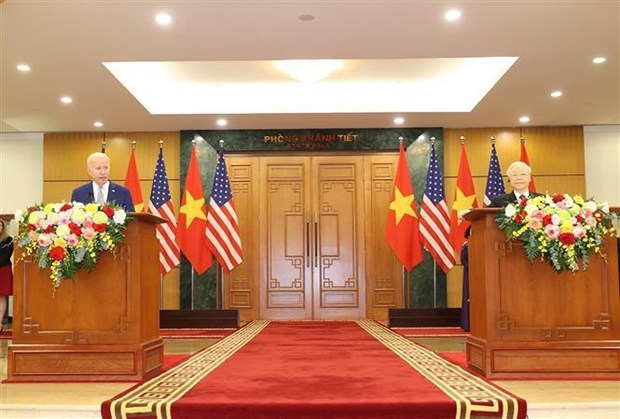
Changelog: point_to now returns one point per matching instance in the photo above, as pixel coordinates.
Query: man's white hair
(518, 164)
(96, 156)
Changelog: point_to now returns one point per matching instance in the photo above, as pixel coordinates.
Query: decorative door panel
(286, 290)
(311, 238)
(338, 239)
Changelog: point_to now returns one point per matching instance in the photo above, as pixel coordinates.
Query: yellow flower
(58, 241)
(92, 208)
(100, 217)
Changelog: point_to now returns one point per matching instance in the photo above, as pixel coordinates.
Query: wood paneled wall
(556, 155)
(64, 168)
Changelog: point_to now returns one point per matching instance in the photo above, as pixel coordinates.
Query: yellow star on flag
(462, 202)
(401, 205)
(192, 209)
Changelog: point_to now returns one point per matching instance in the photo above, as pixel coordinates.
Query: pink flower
(579, 232)
(534, 223)
(44, 240)
(552, 231)
(591, 221)
(72, 240)
(88, 233)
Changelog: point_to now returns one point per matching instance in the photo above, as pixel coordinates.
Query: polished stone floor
(546, 399)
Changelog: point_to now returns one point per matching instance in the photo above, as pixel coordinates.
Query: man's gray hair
(518, 164)
(96, 156)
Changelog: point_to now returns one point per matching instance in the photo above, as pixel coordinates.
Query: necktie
(100, 195)
(523, 200)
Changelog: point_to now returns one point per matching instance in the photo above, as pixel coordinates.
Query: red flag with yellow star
(192, 220)
(525, 159)
(132, 182)
(402, 231)
(464, 199)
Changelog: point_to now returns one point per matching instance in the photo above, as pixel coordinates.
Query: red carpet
(315, 370)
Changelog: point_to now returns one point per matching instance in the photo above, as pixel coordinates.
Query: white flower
(119, 216)
(590, 206)
(530, 208)
(568, 201)
(605, 207)
(510, 210)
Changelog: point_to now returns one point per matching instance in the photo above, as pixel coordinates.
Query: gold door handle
(307, 242)
(316, 241)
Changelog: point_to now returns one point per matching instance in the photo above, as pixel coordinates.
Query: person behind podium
(101, 190)
(519, 177)
(6, 269)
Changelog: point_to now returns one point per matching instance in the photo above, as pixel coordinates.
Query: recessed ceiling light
(98, 124)
(66, 100)
(306, 18)
(524, 119)
(452, 15)
(399, 120)
(557, 93)
(599, 60)
(163, 19)
(24, 68)
(221, 122)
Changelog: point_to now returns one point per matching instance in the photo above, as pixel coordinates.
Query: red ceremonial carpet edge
(346, 369)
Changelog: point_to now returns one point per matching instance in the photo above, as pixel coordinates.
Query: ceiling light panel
(258, 87)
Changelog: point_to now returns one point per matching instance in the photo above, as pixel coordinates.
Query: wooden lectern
(99, 326)
(528, 321)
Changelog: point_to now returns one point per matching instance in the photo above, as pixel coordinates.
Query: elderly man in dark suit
(519, 176)
(101, 190)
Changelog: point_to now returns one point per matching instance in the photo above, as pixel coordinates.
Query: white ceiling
(67, 42)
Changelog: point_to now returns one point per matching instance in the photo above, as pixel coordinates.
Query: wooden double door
(311, 237)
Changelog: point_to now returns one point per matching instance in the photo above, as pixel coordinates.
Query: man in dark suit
(101, 190)
(519, 176)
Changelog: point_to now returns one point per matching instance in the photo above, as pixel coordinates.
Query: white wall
(21, 171)
(602, 157)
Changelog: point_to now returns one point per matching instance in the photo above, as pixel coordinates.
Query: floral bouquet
(560, 229)
(69, 236)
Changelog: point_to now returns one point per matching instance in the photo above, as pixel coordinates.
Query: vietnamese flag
(192, 221)
(464, 200)
(525, 159)
(402, 231)
(132, 182)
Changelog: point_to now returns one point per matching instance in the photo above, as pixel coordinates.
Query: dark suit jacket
(500, 201)
(116, 193)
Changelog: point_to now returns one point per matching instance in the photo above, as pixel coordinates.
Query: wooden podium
(100, 326)
(528, 321)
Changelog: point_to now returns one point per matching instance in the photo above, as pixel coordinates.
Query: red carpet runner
(288, 370)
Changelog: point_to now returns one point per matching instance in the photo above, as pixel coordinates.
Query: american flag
(222, 224)
(495, 184)
(160, 204)
(435, 218)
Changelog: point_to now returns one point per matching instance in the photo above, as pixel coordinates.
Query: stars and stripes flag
(435, 218)
(222, 229)
(160, 204)
(525, 159)
(495, 183)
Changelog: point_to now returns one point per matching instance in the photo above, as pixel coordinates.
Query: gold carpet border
(472, 395)
(157, 395)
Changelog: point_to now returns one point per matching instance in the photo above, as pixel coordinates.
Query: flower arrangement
(559, 229)
(69, 236)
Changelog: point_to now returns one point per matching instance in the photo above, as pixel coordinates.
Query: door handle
(316, 241)
(307, 241)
